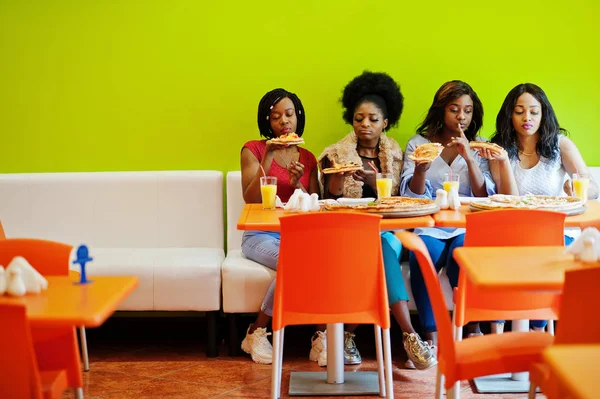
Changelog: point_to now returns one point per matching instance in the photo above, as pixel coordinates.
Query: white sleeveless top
(545, 178)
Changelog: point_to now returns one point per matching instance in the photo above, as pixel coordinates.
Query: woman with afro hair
(279, 112)
(372, 104)
(453, 120)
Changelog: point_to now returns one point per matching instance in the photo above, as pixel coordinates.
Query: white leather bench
(166, 228)
(245, 282)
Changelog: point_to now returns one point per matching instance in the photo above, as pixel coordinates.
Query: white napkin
(278, 203)
(302, 202)
(441, 199)
(586, 247)
(453, 198)
(21, 278)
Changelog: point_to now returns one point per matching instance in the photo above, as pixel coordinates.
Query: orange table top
(456, 218)
(576, 369)
(253, 217)
(68, 304)
(517, 268)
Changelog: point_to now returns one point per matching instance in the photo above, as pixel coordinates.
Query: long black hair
(375, 87)
(434, 121)
(267, 103)
(506, 135)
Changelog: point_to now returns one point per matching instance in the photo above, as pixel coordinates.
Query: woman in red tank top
(279, 112)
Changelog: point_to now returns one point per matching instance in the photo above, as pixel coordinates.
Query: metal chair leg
(84, 349)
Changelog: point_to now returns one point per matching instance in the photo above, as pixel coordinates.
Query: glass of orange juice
(384, 185)
(451, 180)
(268, 191)
(581, 184)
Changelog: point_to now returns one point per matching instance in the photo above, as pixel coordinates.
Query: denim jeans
(263, 247)
(440, 251)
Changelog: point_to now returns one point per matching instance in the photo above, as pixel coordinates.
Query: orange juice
(449, 184)
(580, 188)
(384, 187)
(268, 193)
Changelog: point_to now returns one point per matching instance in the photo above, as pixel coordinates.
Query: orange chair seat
(54, 383)
(496, 353)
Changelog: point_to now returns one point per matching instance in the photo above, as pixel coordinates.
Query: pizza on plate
(529, 201)
(427, 152)
(342, 167)
(290, 138)
(389, 205)
(480, 145)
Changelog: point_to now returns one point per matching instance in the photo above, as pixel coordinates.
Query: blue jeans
(263, 247)
(391, 248)
(441, 255)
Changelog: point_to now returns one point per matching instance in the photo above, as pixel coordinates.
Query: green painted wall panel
(152, 85)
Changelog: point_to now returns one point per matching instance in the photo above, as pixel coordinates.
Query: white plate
(468, 200)
(354, 201)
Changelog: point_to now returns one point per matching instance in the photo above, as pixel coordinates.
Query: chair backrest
(579, 302)
(330, 270)
(19, 376)
(515, 227)
(49, 258)
(2, 234)
(413, 243)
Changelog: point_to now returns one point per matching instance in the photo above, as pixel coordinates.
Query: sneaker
(258, 346)
(420, 353)
(351, 354)
(409, 365)
(318, 350)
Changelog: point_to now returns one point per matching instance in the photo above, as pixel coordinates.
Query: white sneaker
(258, 346)
(318, 350)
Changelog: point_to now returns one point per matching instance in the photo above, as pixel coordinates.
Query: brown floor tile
(227, 373)
(160, 388)
(97, 383)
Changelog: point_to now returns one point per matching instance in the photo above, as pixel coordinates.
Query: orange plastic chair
(2, 235)
(19, 373)
(474, 357)
(308, 249)
(56, 348)
(579, 301)
(511, 227)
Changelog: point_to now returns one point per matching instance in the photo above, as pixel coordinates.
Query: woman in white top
(541, 157)
(453, 120)
(540, 154)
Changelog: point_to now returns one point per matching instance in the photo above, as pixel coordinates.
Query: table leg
(505, 383)
(334, 381)
(335, 353)
(520, 325)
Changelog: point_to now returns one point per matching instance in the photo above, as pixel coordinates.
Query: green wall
(152, 85)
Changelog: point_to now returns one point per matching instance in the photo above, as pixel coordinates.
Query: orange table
(517, 268)
(253, 217)
(67, 304)
(575, 369)
(456, 218)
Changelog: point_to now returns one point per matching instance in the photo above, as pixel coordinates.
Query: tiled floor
(163, 359)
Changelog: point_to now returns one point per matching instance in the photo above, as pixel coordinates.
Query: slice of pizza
(427, 152)
(342, 167)
(290, 138)
(480, 145)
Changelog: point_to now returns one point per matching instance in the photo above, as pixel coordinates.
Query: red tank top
(284, 190)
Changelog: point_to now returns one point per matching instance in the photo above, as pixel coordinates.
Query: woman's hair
(506, 135)
(434, 121)
(374, 87)
(267, 103)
